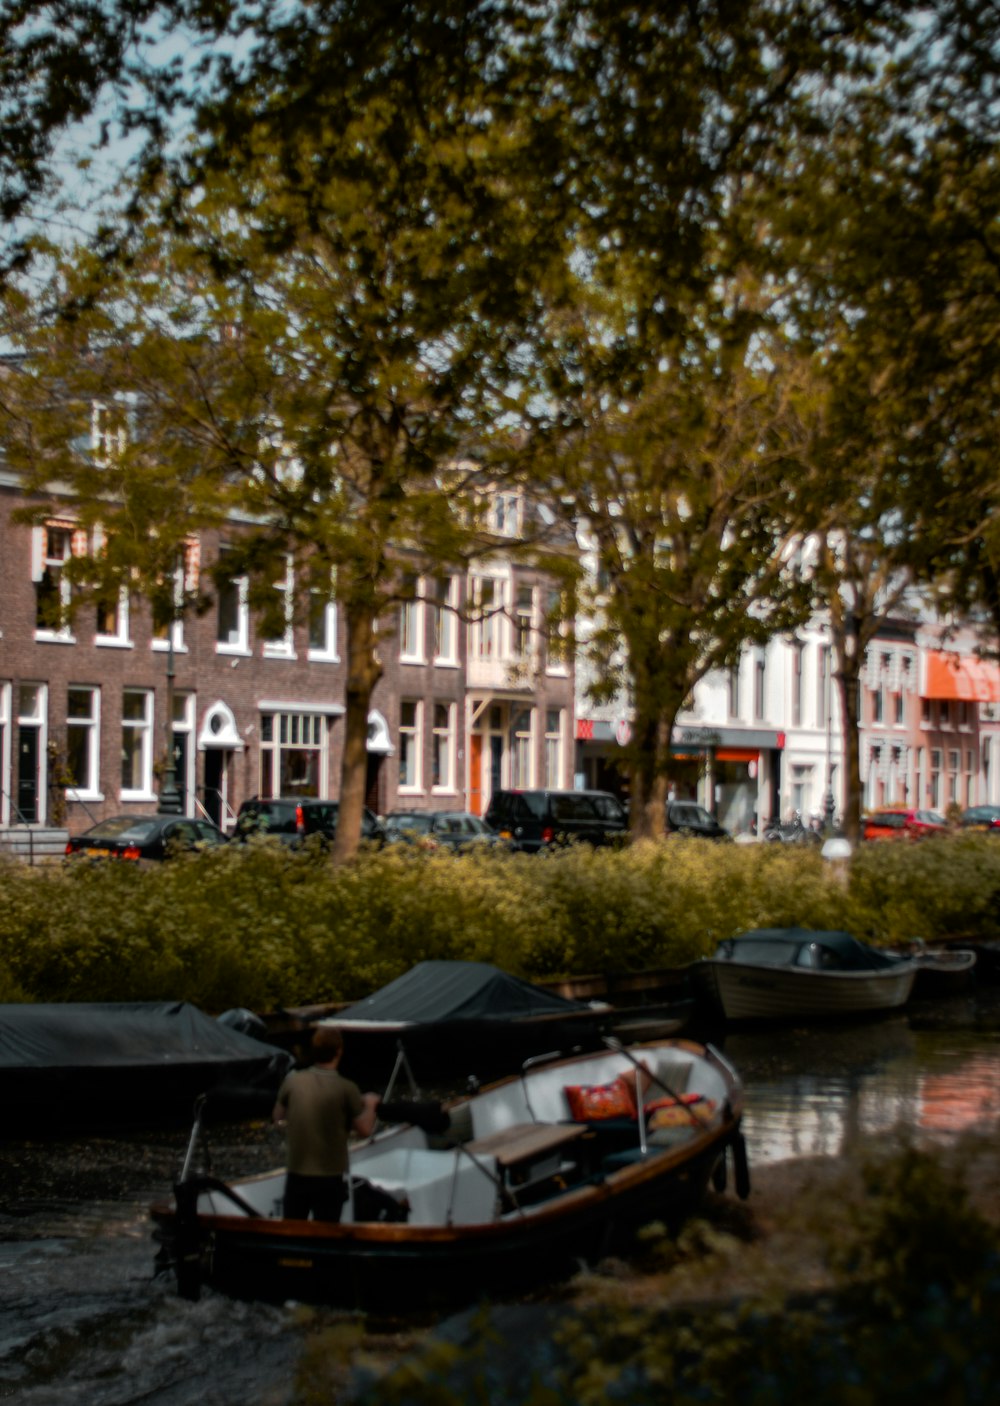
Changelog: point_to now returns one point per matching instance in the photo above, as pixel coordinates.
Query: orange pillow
(592, 1103)
(673, 1113)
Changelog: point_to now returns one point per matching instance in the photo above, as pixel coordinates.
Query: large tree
(319, 319)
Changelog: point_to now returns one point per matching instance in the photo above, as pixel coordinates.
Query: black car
(981, 818)
(689, 818)
(454, 830)
(293, 819)
(538, 820)
(135, 837)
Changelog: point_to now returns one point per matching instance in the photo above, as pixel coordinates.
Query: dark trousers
(323, 1196)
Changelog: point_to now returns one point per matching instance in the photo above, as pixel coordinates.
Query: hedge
(262, 926)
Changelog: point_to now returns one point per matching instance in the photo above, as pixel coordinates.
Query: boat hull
(746, 991)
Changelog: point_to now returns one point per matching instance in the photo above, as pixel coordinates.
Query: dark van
(536, 820)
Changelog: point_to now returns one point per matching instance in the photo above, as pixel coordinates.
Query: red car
(902, 823)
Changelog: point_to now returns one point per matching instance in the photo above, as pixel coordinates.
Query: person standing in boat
(319, 1108)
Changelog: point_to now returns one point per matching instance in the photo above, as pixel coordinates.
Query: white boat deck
(522, 1137)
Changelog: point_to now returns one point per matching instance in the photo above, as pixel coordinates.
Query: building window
(444, 620)
(964, 713)
(443, 748)
(112, 617)
(411, 622)
(521, 749)
(559, 641)
(759, 688)
(292, 752)
(484, 629)
(410, 712)
(322, 627)
(52, 548)
(734, 690)
(83, 731)
(524, 611)
(935, 778)
(823, 683)
(137, 744)
(553, 747)
(878, 704)
(798, 651)
(168, 615)
(926, 712)
(232, 616)
(897, 709)
(944, 713)
(505, 513)
(278, 631)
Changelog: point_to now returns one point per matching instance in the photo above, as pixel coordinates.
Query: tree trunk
(849, 686)
(363, 673)
(648, 778)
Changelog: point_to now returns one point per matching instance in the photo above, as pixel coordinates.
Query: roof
(437, 991)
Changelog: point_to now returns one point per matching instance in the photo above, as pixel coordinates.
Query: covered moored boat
(795, 973)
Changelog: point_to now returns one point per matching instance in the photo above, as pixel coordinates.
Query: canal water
(84, 1322)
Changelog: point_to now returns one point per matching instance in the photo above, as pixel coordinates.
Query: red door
(476, 774)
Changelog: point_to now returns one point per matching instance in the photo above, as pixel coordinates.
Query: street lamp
(170, 797)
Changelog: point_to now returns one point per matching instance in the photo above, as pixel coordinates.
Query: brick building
(476, 691)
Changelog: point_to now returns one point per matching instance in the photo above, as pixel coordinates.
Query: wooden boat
(475, 1016)
(515, 1184)
(107, 1063)
(794, 973)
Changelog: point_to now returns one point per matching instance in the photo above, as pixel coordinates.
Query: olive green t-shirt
(321, 1105)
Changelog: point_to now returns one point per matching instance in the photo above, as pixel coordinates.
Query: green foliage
(259, 925)
(912, 1321)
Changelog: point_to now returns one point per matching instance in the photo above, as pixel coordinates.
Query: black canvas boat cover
(443, 991)
(780, 947)
(110, 1052)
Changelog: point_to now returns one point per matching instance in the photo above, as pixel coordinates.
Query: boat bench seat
(526, 1142)
(441, 1186)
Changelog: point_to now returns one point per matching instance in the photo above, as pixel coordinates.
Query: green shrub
(259, 925)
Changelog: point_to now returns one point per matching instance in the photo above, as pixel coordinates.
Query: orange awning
(961, 676)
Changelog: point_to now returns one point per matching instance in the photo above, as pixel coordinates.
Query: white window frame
(556, 668)
(42, 561)
(284, 647)
(523, 623)
(91, 727)
(294, 728)
(412, 626)
(505, 512)
(487, 637)
(443, 745)
(325, 653)
(555, 750)
(239, 646)
(411, 735)
(444, 623)
(175, 627)
(522, 749)
(142, 728)
(121, 638)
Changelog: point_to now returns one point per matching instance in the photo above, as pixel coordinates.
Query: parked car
(293, 819)
(689, 818)
(902, 823)
(981, 818)
(538, 820)
(135, 837)
(439, 829)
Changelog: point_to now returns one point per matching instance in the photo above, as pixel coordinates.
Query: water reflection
(814, 1093)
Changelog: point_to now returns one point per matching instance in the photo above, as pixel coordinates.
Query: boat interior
(512, 1148)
